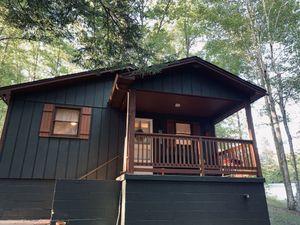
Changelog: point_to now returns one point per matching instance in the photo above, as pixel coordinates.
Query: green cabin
(122, 147)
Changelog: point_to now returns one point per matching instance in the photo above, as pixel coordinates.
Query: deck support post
(130, 133)
(252, 137)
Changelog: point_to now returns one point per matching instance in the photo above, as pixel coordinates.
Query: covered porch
(195, 150)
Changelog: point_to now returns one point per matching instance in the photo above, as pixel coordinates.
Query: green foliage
(232, 127)
(3, 110)
(227, 129)
(270, 168)
(23, 59)
(104, 33)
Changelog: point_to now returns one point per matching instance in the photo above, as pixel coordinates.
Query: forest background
(258, 40)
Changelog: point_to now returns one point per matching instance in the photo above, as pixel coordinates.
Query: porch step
(86, 202)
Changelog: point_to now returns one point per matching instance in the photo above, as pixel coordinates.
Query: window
(183, 129)
(66, 121)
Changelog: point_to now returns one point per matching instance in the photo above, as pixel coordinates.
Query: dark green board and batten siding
(189, 81)
(26, 155)
(188, 200)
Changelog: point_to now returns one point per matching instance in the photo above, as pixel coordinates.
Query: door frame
(151, 145)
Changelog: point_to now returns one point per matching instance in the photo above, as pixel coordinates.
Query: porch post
(252, 137)
(130, 134)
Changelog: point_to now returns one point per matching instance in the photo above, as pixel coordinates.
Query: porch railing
(180, 154)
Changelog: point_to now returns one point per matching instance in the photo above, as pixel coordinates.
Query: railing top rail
(192, 137)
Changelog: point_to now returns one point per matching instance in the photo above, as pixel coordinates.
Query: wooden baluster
(183, 151)
(192, 152)
(138, 137)
(180, 153)
(172, 152)
(249, 156)
(210, 153)
(159, 151)
(143, 149)
(201, 157)
(235, 157)
(204, 150)
(222, 156)
(244, 163)
(155, 140)
(163, 150)
(239, 153)
(228, 156)
(215, 148)
(188, 151)
(238, 145)
(218, 144)
(195, 153)
(168, 153)
(149, 150)
(176, 151)
(253, 158)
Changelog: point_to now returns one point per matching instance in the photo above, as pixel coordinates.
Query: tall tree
(256, 28)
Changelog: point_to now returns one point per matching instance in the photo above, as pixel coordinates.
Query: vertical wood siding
(189, 82)
(26, 155)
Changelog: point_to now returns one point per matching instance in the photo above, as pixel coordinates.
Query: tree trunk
(290, 141)
(293, 157)
(270, 104)
(239, 125)
(286, 126)
(187, 39)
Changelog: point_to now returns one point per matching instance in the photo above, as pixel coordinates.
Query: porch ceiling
(158, 102)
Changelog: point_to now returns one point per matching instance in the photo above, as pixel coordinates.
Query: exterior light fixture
(177, 105)
(246, 196)
(73, 124)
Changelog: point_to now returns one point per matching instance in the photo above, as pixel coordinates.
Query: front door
(143, 149)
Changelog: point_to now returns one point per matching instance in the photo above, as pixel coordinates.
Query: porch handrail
(192, 136)
(99, 167)
(194, 154)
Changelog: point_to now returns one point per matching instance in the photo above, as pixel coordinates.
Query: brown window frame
(52, 134)
(48, 120)
(181, 122)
